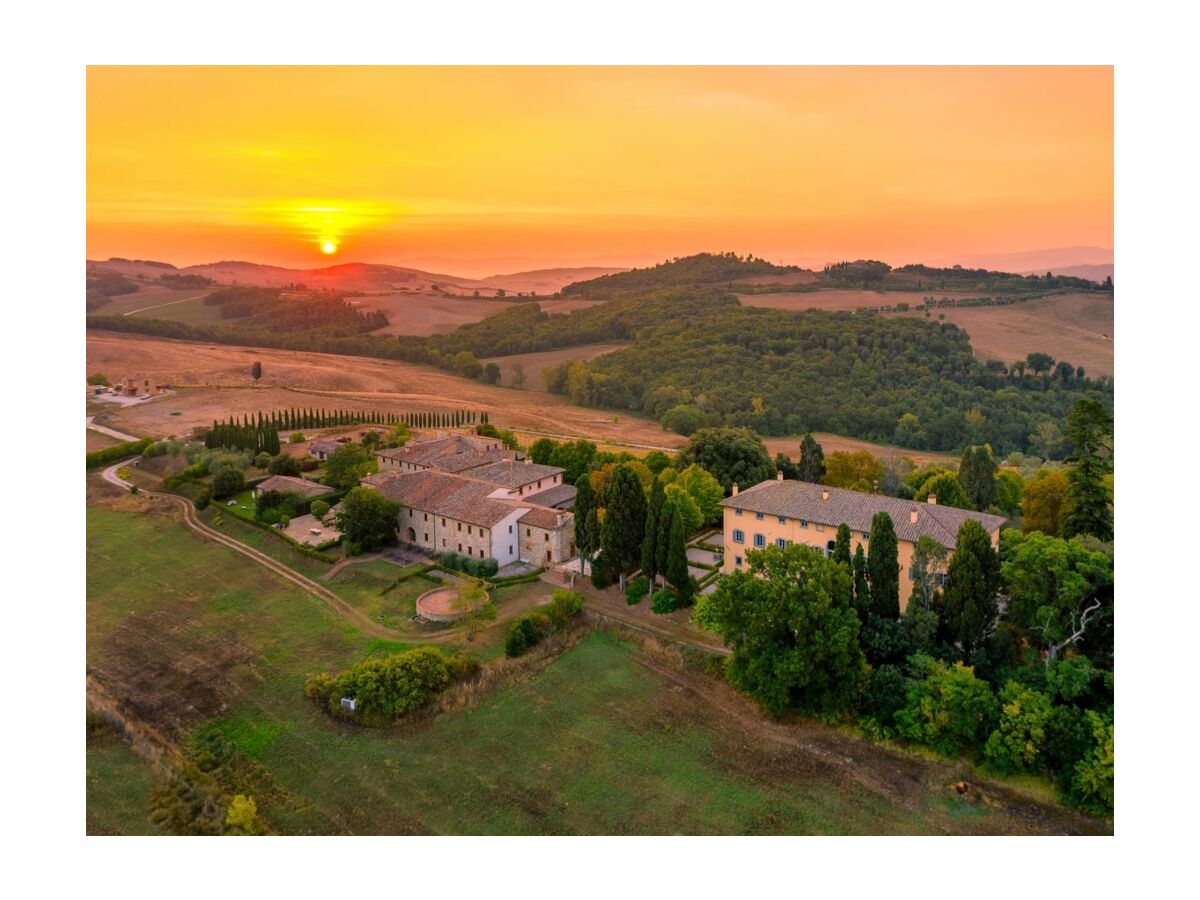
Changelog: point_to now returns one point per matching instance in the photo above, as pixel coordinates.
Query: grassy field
(118, 786)
(535, 363)
(843, 299)
(371, 586)
(98, 441)
(426, 314)
(606, 739)
(162, 303)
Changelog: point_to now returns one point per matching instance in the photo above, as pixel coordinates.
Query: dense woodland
(702, 268)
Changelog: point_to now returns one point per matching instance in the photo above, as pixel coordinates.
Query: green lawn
(243, 505)
(118, 787)
(195, 636)
(371, 586)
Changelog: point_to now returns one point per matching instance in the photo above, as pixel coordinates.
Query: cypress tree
(969, 607)
(624, 522)
(862, 590)
(677, 564)
(586, 539)
(977, 474)
(841, 545)
(883, 568)
(666, 517)
(650, 541)
(811, 466)
(1089, 428)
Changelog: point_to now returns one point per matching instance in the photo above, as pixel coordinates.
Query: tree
(491, 374)
(676, 572)
(518, 375)
(587, 539)
(656, 461)
(1092, 784)
(684, 508)
(841, 545)
(227, 481)
(784, 464)
(575, 458)
(862, 586)
(654, 505)
(284, 464)
(348, 465)
(256, 371)
(811, 466)
(928, 563)
(1046, 439)
(859, 471)
(1010, 487)
(1089, 429)
(319, 509)
(1056, 587)
(1040, 363)
(1016, 744)
(977, 475)
(242, 817)
(730, 455)
(705, 490)
(621, 532)
(883, 567)
(683, 419)
(368, 519)
(909, 432)
(466, 365)
(969, 607)
(541, 450)
(947, 707)
(946, 489)
(789, 624)
(1044, 504)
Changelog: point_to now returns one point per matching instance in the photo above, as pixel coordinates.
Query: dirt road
(119, 435)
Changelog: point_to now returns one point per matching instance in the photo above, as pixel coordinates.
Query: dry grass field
(426, 314)
(836, 299)
(535, 363)
(1077, 328)
(214, 383)
(155, 303)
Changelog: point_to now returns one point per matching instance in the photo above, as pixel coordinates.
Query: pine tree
(883, 567)
(841, 545)
(977, 474)
(1089, 428)
(650, 541)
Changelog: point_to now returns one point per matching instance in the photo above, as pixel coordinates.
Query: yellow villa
(778, 513)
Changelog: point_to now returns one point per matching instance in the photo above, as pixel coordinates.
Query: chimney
(824, 495)
(932, 499)
(735, 489)
(912, 516)
(779, 476)
(528, 460)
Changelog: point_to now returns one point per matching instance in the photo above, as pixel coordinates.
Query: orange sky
(503, 168)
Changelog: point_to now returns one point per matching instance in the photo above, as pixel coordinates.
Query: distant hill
(1096, 272)
(1054, 259)
(549, 281)
(700, 268)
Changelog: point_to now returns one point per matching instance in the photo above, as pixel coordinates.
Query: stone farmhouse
(469, 494)
(785, 512)
(286, 484)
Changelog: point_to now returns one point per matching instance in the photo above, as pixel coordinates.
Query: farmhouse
(137, 385)
(455, 513)
(322, 449)
(785, 512)
(446, 453)
(286, 484)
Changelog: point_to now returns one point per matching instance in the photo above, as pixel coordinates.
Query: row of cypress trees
(260, 433)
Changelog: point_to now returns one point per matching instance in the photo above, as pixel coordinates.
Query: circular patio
(442, 605)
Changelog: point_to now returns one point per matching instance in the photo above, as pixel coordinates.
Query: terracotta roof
(514, 473)
(539, 517)
(325, 446)
(442, 494)
(802, 500)
(428, 453)
(473, 459)
(561, 496)
(289, 485)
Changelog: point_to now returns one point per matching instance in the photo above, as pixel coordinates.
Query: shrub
(112, 454)
(262, 460)
(947, 707)
(636, 590)
(884, 697)
(283, 465)
(203, 497)
(1092, 784)
(388, 687)
(1016, 744)
(297, 437)
(664, 601)
(563, 606)
(522, 634)
(227, 482)
(319, 508)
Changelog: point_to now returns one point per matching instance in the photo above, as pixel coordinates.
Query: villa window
(737, 561)
(510, 532)
(758, 516)
(804, 523)
(780, 543)
(426, 519)
(760, 540)
(739, 536)
(425, 537)
(737, 512)
(866, 535)
(460, 547)
(783, 520)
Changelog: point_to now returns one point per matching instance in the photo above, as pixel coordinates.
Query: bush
(522, 634)
(947, 707)
(388, 687)
(283, 465)
(319, 509)
(1016, 744)
(117, 452)
(262, 460)
(203, 497)
(664, 601)
(884, 697)
(470, 565)
(601, 578)
(227, 482)
(297, 437)
(563, 606)
(636, 590)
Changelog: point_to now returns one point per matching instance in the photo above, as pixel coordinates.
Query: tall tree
(841, 545)
(654, 505)
(862, 586)
(256, 371)
(704, 489)
(586, 538)
(677, 563)
(731, 455)
(811, 466)
(1044, 503)
(368, 519)
(883, 567)
(969, 606)
(1089, 429)
(624, 522)
(977, 475)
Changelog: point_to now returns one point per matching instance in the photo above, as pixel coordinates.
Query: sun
(329, 247)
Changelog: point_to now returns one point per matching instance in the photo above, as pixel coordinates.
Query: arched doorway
(410, 535)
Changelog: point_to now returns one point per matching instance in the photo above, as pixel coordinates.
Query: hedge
(117, 452)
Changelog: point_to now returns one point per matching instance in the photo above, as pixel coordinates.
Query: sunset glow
(595, 165)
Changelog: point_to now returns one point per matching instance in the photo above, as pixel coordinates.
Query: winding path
(119, 435)
(169, 303)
